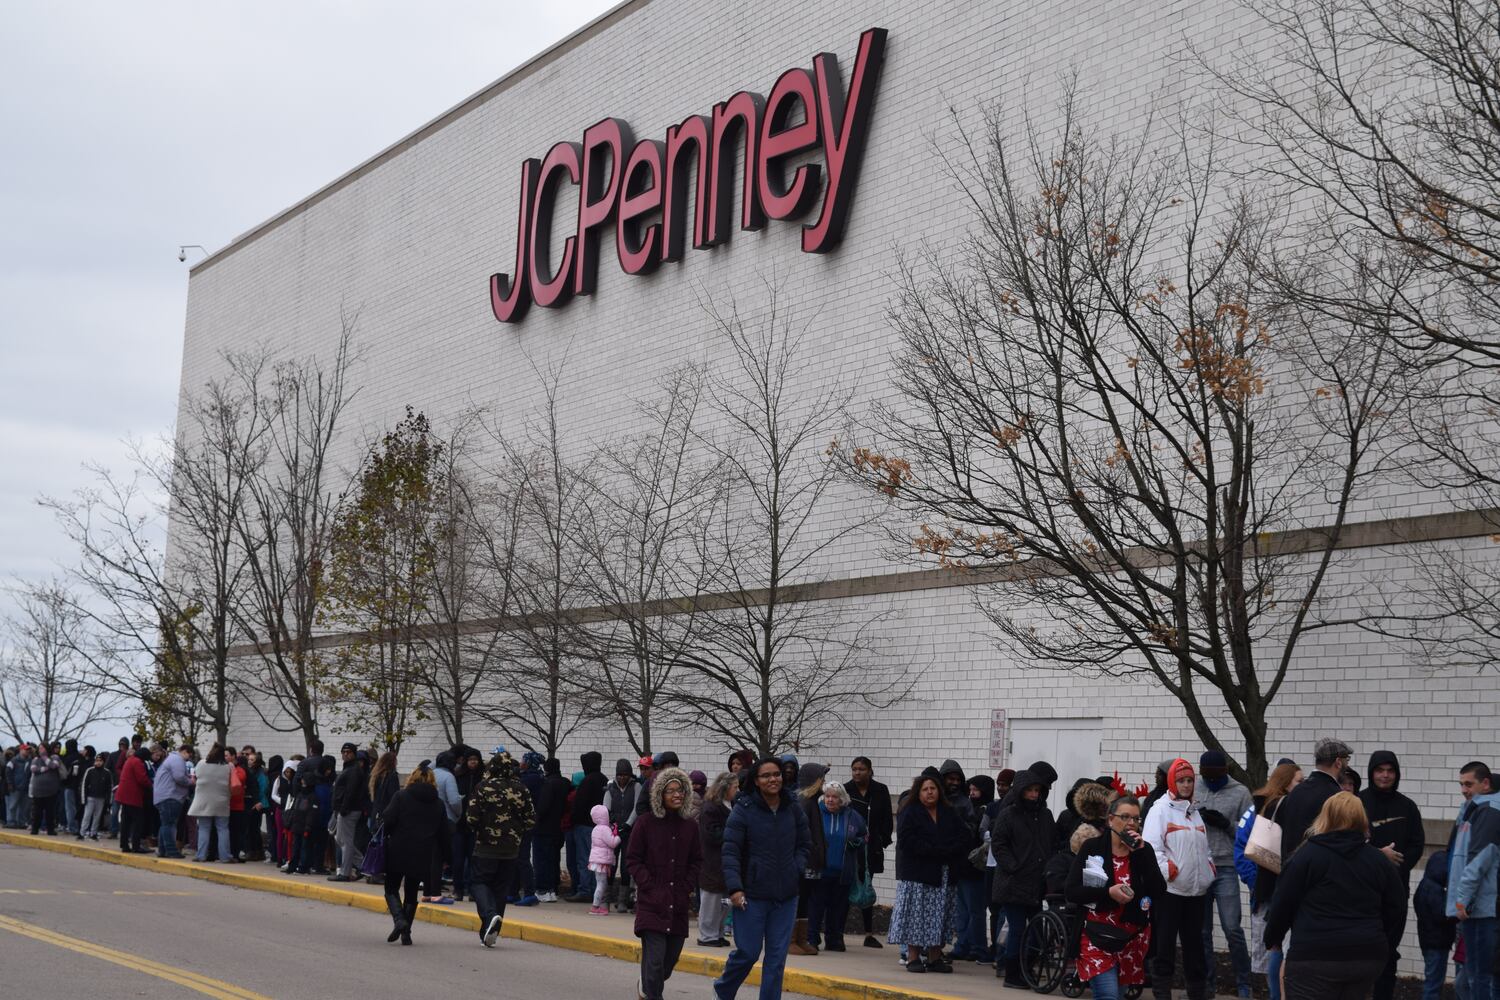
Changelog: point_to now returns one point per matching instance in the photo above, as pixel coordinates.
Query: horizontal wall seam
(1424, 528)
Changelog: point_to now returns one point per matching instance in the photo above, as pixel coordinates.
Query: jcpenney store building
(500, 232)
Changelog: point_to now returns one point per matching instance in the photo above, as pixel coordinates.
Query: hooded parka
(664, 859)
(1021, 842)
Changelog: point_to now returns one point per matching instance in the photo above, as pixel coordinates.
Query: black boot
(410, 916)
(399, 923)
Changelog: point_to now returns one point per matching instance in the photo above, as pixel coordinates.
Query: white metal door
(1069, 745)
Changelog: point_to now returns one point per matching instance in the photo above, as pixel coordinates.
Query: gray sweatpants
(350, 857)
(711, 912)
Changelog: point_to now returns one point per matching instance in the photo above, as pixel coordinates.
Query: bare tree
(1111, 401)
(538, 697)
(472, 534)
(770, 669)
(377, 582)
(286, 531)
(649, 509)
(164, 607)
(45, 692)
(1385, 116)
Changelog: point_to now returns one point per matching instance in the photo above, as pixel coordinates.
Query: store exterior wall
(408, 243)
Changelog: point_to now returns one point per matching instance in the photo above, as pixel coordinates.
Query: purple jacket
(663, 859)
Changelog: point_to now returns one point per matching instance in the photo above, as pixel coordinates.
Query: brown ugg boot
(800, 945)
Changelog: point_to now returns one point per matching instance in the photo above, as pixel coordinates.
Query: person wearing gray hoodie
(1221, 803)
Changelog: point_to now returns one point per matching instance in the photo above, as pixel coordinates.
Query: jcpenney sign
(638, 190)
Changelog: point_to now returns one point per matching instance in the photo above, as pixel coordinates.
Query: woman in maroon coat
(664, 858)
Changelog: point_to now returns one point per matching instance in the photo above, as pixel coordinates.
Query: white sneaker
(492, 932)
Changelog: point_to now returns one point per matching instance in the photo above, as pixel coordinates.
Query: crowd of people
(769, 856)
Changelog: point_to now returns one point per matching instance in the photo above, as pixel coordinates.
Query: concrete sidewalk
(858, 974)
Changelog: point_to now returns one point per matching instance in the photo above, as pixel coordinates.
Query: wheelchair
(1049, 950)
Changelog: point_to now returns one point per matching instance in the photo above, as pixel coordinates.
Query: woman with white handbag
(1257, 858)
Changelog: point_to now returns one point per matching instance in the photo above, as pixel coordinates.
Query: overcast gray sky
(131, 128)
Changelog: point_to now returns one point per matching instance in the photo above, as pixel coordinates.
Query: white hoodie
(1175, 831)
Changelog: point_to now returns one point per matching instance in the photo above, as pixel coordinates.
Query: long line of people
(771, 855)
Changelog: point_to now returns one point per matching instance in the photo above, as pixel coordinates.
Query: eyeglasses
(1122, 817)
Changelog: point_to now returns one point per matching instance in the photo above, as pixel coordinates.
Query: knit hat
(622, 766)
(1006, 777)
(1180, 768)
(533, 760)
(1213, 758)
(1329, 750)
(697, 778)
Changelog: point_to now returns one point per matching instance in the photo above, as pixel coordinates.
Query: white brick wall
(410, 245)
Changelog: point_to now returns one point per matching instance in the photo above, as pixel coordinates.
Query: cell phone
(1131, 838)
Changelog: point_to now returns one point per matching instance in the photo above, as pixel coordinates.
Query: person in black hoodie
(1343, 902)
(590, 794)
(418, 839)
(1021, 842)
(351, 799)
(547, 847)
(973, 916)
(1395, 831)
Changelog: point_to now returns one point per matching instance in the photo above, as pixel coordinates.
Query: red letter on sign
(638, 245)
(688, 139)
(551, 292)
(596, 203)
(845, 128)
(779, 140)
(510, 296)
(738, 116)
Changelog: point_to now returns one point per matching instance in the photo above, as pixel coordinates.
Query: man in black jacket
(1021, 841)
(351, 799)
(589, 795)
(972, 918)
(1396, 831)
(549, 814)
(1303, 803)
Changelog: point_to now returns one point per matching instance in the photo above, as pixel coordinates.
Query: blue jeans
(207, 823)
(1479, 955)
(582, 837)
(766, 924)
(72, 808)
(166, 838)
(1274, 959)
(1435, 971)
(971, 921)
(1225, 892)
(1106, 985)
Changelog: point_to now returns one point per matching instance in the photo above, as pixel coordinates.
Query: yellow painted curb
(693, 962)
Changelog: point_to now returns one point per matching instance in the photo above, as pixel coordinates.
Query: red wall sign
(644, 203)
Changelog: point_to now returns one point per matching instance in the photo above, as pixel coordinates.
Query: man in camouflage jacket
(499, 813)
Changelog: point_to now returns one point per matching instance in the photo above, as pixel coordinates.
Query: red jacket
(135, 784)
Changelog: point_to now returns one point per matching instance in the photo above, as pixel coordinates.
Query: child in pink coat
(604, 843)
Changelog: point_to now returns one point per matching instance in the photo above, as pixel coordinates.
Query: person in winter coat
(590, 793)
(604, 841)
(548, 838)
(665, 859)
(445, 780)
(837, 834)
(351, 800)
(931, 839)
(524, 884)
(73, 766)
(972, 917)
(45, 788)
(1435, 929)
(766, 848)
(1474, 858)
(809, 790)
(418, 838)
(1069, 818)
(210, 805)
(1262, 881)
(499, 814)
(1343, 903)
(1221, 801)
(1021, 842)
(1118, 877)
(1395, 831)
(133, 792)
(1177, 834)
(98, 783)
(1305, 802)
(17, 781)
(622, 797)
(872, 800)
(718, 800)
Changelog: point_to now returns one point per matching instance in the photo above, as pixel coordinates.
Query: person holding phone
(1117, 877)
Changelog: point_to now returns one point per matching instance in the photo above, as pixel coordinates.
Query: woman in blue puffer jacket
(766, 847)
